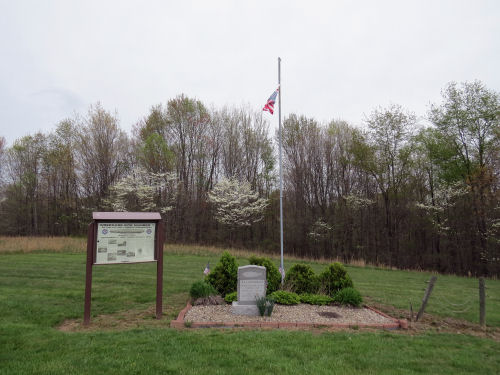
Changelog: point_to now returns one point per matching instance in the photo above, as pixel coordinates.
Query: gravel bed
(301, 313)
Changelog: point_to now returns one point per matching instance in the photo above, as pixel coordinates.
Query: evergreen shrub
(334, 278)
(272, 273)
(224, 277)
(302, 279)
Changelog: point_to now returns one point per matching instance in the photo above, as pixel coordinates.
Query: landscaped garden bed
(304, 299)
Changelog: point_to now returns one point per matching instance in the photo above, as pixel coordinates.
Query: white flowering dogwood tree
(320, 230)
(141, 190)
(236, 204)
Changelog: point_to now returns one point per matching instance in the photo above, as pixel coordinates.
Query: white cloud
(339, 59)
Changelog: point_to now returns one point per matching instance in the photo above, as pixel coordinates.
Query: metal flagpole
(281, 172)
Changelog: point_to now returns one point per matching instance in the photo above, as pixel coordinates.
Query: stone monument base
(251, 310)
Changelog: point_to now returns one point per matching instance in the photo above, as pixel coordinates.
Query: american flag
(270, 102)
(282, 272)
(206, 271)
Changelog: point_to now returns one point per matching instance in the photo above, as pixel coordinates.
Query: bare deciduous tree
(102, 153)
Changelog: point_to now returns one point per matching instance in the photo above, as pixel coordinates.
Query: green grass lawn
(40, 290)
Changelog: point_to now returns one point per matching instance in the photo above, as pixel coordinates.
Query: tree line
(395, 192)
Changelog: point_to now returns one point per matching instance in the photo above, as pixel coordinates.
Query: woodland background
(403, 191)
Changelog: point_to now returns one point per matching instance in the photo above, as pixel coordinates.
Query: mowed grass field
(42, 286)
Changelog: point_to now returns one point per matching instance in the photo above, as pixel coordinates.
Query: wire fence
(464, 304)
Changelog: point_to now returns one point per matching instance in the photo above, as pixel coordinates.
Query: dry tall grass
(29, 244)
(69, 244)
(245, 253)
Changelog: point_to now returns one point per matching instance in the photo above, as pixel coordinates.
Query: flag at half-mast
(270, 102)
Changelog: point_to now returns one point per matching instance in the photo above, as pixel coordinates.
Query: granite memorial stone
(252, 284)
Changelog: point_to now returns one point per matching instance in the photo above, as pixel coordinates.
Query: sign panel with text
(122, 242)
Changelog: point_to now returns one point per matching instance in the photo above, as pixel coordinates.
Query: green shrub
(285, 298)
(231, 297)
(315, 299)
(201, 289)
(301, 279)
(334, 278)
(225, 275)
(348, 296)
(272, 273)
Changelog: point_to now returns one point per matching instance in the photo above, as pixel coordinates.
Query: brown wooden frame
(99, 217)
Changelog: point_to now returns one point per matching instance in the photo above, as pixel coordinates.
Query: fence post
(482, 303)
(427, 294)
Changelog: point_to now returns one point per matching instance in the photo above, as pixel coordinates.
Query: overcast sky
(340, 59)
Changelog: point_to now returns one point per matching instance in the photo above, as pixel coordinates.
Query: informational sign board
(125, 242)
(120, 238)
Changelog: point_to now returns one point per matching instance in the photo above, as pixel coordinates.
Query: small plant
(201, 289)
(301, 279)
(348, 296)
(270, 306)
(315, 299)
(285, 298)
(272, 273)
(225, 275)
(265, 305)
(334, 278)
(188, 324)
(231, 297)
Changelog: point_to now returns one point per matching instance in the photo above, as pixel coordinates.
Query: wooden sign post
(121, 238)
